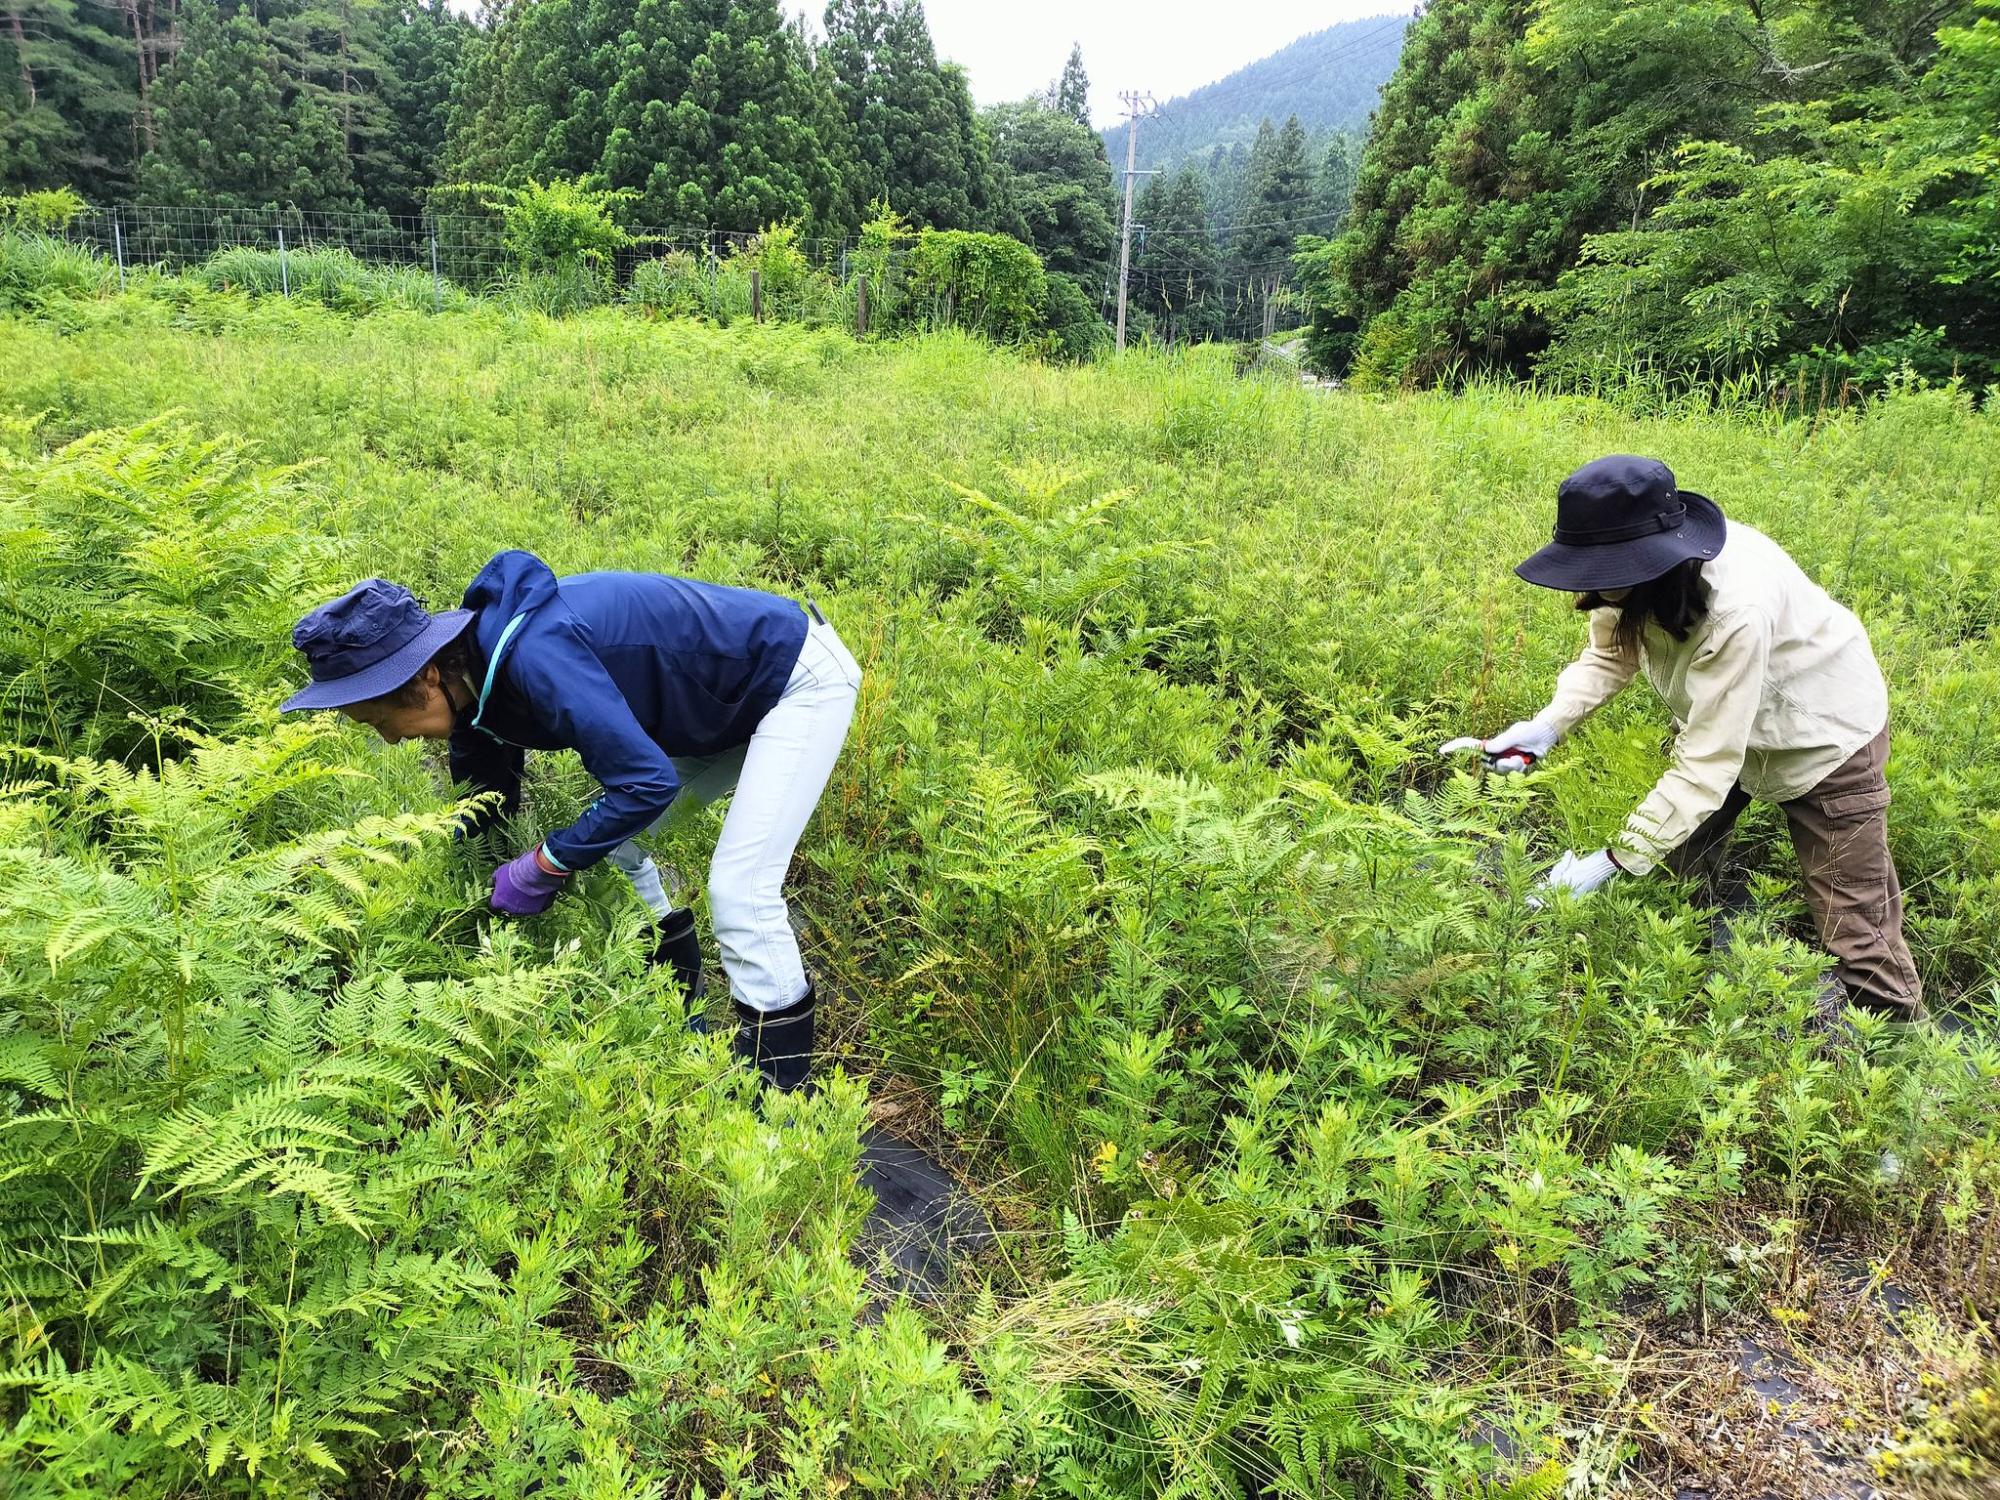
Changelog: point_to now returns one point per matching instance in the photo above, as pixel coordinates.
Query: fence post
(756, 296)
(861, 306)
(437, 287)
(118, 248)
(284, 267)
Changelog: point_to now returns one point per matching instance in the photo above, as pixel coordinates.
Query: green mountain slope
(1330, 79)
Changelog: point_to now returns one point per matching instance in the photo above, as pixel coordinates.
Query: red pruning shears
(1507, 762)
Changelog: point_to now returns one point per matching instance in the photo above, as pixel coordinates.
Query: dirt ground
(1858, 1379)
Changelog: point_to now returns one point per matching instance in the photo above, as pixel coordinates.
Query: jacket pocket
(691, 678)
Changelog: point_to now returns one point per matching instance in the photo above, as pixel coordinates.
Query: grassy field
(1320, 1160)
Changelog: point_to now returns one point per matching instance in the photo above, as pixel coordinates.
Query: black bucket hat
(1622, 521)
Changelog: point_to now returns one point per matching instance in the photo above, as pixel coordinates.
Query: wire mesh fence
(435, 260)
(440, 258)
(467, 251)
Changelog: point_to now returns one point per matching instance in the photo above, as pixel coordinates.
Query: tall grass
(331, 276)
(36, 267)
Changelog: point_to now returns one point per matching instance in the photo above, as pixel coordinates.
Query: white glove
(1515, 748)
(1579, 874)
(1519, 746)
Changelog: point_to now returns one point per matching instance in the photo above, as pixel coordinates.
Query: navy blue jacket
(626, 669)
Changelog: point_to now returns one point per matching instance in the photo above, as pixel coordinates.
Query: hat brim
(386, 675)
(1624, 565)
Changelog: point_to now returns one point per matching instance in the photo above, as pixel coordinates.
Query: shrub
(673, 285)
(560, 226)
(49, 211)
(787, 278)
(1077, 331)
(792, 289)
(987, 283)
(878, 258)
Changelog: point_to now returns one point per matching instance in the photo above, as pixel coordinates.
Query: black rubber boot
(779, 1042)
(678, 945)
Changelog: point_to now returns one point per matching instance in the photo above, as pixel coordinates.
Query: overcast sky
(1169, 46)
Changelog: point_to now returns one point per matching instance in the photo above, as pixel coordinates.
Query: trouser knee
(732, 907)
(759, 953)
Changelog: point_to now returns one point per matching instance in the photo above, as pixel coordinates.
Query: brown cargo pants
(1840, 832)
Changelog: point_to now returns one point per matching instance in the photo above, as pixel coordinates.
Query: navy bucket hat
(1622, 521)
(368, 642)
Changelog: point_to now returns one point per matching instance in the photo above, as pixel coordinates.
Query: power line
(1218, 233)
(1313, 218)
(1222, 270)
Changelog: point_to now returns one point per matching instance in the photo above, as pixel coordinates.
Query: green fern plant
(146, 571)
(216, 1110)
(1544, 1482)
(1046, 557)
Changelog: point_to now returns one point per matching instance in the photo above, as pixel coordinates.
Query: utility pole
(1136, 105)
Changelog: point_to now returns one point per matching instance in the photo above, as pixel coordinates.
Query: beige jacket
(1775, 688)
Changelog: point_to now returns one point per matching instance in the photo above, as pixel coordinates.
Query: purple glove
(522, 888)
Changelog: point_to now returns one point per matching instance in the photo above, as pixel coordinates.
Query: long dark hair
(1675, 601)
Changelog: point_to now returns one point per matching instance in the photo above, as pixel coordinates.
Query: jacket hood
(511, 584)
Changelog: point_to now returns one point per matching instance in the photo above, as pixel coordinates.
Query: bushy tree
(1058, 183)
(333, 52)
(383, 72)
(70, 98)
(1070, 94)
(1465, 193)
(80, 99)
(233, 131)
(914, 130)
(522, 107)
(1859, 231)
(708, 115)
(1226, 169)
(708, 110)
(1276, 200)
(1512, 131)
(1333, 183)
(424, 47)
